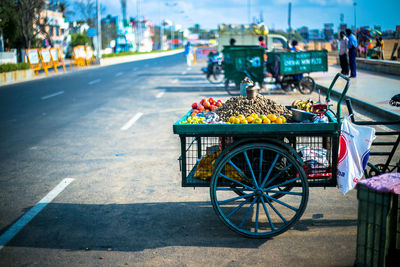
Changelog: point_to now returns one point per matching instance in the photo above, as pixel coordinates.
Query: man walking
(344, 63)
(352, 46)
(189, 54)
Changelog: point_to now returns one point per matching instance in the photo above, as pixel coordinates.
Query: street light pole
(98, 52)
(355, 20)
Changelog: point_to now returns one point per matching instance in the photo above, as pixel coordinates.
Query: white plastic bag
(354, 145)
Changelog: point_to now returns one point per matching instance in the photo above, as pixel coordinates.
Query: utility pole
(290, 18)
(138, 25)
(355, 20)
(248, 11)
(98, 52)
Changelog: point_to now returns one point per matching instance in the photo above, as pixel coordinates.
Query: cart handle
(346, 88)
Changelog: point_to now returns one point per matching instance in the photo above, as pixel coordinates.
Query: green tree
(79, 39)
(10, 24)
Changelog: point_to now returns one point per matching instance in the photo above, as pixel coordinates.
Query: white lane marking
(184, 72)
(119, 74)
(94, 81)
(24, 220)
(175, 81)
(160, 94)
(131, 121)
(52, 95)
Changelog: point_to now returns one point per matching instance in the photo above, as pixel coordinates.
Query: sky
(311, 13)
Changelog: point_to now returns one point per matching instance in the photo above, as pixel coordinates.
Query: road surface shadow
(136, 227)
(128, 227)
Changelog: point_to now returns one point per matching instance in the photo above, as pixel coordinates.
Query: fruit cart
(259, 174)
(286, 68)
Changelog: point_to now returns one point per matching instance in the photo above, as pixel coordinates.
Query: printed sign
(33, 56)
(54, 54)
(46, 55)
(82, 52)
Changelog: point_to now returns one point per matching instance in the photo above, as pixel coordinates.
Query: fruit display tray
(220, 129)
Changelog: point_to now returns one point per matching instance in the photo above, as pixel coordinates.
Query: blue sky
(311, 13)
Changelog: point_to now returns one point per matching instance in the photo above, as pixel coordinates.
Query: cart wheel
(376, 169)
(247, 183)
(217, 75)
(307, 85)
(232, 88)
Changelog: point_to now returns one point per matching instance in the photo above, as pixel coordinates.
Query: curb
(365, 106)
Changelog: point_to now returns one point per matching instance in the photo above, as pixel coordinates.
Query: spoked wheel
(259, 190)
(307, 85)
(217, 75)
(375, 170)
(232, 88)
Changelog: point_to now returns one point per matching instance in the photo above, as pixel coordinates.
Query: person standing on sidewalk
(189, 54)
(352, 46)
(344, 63)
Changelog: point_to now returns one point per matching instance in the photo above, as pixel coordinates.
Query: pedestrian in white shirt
(343, 53)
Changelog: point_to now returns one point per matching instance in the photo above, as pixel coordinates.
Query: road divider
(27, 217)
(52, 95)
(131, 121)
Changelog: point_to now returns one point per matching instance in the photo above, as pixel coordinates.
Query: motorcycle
(214, 69)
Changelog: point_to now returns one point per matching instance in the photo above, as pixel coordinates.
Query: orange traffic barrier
(57, 58)
(33, 58)
(78, 56)
(89, 55)
(47, 62)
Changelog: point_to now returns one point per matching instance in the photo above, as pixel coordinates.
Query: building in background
(342, 27)
(55, 28)
(314, 35)
(304, 32)
(328, 32)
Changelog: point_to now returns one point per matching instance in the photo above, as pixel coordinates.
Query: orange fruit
(278, 120)
(232, 119)
(271, 117)
(266, 120)
(250, 119)
(243, 121)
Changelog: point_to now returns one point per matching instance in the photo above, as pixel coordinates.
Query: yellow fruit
(257, 120)
(283, 119)
(243, 121)
(232, 119)
(278, 120)
(236, 121)
(271, 117)
(240, 116)
(254, 115)
(266, 120)
(262, 117)
(250, 119)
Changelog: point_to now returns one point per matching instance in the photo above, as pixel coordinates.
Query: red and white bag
(355, 143)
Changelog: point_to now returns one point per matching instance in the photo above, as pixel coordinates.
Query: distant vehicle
(274, 42)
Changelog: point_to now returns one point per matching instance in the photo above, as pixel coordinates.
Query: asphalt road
(110, 129)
